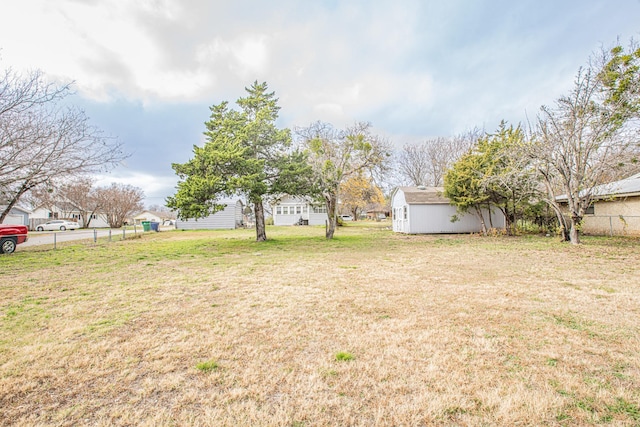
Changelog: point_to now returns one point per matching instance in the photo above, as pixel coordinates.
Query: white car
(58, 224)
(346, 217)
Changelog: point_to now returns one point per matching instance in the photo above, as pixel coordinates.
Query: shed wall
(227, 219)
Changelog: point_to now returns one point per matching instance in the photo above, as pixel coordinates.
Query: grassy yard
(370, 329)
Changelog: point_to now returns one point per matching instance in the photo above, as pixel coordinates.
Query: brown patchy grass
(211, 328)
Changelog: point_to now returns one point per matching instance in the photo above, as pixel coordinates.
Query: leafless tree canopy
(42, 140)
(580, 144)
(427, 163)
(336, 155)
(118, 202)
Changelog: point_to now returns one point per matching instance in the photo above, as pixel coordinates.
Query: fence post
(95, 235)
(124, 230)
(109, 234)
(610, 226)
(55, 240)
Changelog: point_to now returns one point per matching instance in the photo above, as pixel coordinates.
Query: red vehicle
(10, 236)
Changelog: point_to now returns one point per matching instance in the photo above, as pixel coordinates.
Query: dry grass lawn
(371, 329)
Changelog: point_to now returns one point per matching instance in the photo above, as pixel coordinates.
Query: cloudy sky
(146, 71)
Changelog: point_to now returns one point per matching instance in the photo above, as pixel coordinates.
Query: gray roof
(624, 188)
(424, 195)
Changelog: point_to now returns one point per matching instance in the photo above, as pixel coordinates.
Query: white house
(425, 210)
(63, 210)
(228, 218)
(153, 216)
(296, 210)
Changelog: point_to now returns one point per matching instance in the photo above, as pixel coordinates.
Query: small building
(153, 216)
(425, 210)
(615, 209)
(16, 216)
(227, 219)
(297, 210)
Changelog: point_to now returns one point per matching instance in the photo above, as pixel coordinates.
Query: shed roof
(424, 195)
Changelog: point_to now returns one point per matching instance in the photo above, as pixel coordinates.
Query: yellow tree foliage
(358, 193)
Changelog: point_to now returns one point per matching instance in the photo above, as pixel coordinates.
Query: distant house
(297, 210)
(425, 210)
(229, 218)
(615, 209)
(62, 210)
(17, 216)
(153, 216)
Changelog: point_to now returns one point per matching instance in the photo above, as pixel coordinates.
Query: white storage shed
(227, 219)
(425, 210)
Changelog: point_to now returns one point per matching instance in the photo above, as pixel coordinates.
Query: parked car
(58, 224)
(10, 236)
(346, 217)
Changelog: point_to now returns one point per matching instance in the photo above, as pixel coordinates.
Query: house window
(404, 214)
(279, 210)
(305, 209)
(591, 210)
(298, 210)
(320, 209)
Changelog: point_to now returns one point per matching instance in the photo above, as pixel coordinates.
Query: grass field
(370, 329)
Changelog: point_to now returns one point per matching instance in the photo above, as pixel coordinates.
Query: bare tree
(42, 141)
(336, 155)
(427, 163)
(413, 163)
(118, 202)
(581, 143)
(80, 194)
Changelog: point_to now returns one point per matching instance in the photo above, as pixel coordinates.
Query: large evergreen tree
(495, 173)
(244, 153)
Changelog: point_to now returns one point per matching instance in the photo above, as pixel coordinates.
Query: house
(425, 210)
(16, 216)
(154, 216)
(615, 209)
(297, 210)
(62, 210)
(227, 219)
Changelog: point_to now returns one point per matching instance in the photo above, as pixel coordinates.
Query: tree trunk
(258, 210)
(483, 226)
(331, 215)
(12, 203)
(574, 235)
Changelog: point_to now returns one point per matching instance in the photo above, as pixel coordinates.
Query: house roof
(424, 195)
(625, 187)
(16, 207)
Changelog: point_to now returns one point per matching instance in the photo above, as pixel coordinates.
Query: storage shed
(227, 219)
(425, 210)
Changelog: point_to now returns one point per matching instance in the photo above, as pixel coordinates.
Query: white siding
(435, 218)
(228, 218)
(295, 209)
(398, 207)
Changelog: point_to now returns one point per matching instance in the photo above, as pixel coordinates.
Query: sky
(147, 71)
